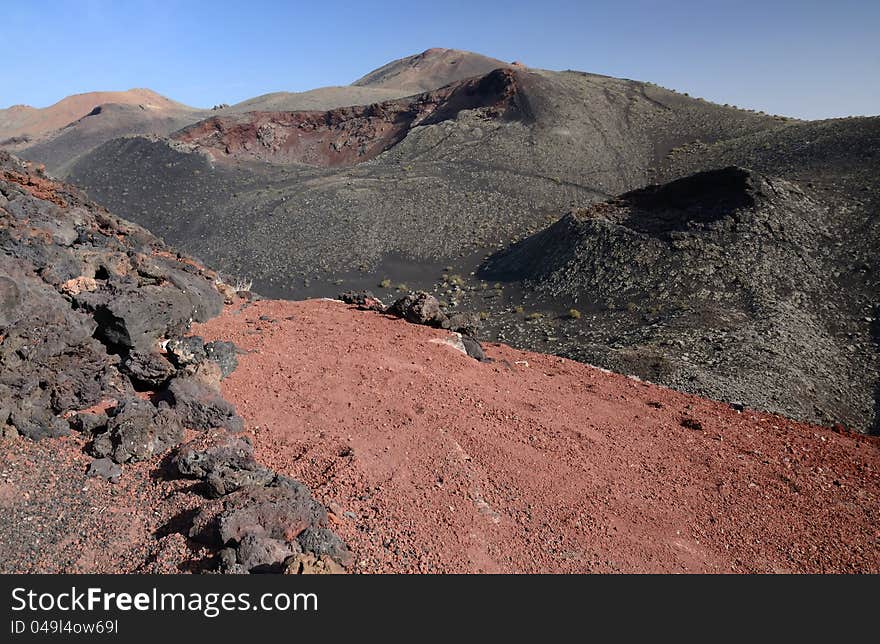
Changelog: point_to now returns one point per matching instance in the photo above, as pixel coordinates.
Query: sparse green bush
(574, 314)
(535, 316)
(386, 283)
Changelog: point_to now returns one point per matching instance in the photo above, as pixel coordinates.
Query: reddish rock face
(348, 135)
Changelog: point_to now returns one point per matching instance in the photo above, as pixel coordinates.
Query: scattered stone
(364, 300)
(419, 308)
(224, 354)
(136, 319)
(137, 431)
(473, 348)
(35, 423)
(186, 351)
(105, 468)
(308, 564)
(321, 542)
(147, 370)
(276, 512)
(464, 323)
(263, 555)
(88, 423)
(79, 285)
(224, 461)
(202, 407)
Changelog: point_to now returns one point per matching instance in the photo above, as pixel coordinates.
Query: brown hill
(59, 149)
(26, 121)
(429, 70)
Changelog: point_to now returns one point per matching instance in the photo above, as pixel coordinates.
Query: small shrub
(535, 316)
(574, 314)
(386, 283)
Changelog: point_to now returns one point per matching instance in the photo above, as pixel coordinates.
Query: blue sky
(811, 59)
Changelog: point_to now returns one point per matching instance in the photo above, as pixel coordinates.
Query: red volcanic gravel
(433, 462)
(56, 519)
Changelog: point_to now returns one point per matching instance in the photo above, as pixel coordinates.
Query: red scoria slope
(434, 462)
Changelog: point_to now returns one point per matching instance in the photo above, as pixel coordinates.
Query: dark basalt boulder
(137, 431)
(201, 406)
(225, 462)
(419, 308)
(224, 354)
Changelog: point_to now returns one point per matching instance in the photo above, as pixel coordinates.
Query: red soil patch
(433, 462)
(59, 520)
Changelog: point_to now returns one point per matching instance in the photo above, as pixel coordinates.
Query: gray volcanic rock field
(726, 283)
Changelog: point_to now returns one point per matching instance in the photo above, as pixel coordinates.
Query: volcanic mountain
(57, 135)
(756, 284)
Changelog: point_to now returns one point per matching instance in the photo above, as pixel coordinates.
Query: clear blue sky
(807, 58)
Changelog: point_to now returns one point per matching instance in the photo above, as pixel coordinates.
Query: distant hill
(60, 148)
(33, 123)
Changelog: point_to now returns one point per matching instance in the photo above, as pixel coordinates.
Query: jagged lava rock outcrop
(93, 314)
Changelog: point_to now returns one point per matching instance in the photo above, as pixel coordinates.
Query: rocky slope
(93, 312)
(727, 283)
